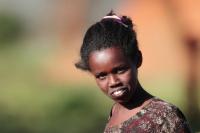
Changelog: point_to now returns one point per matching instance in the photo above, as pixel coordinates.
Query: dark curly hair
(109, 32)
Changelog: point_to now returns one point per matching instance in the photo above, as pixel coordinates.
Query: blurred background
(42, 92)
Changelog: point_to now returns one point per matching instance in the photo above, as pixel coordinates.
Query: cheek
(102, 85)
(129, 78)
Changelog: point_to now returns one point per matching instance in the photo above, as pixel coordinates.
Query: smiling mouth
(118, 92)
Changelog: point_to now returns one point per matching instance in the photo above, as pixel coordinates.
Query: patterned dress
(156, 117)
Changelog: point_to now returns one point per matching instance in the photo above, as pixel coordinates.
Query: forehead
(107, 58)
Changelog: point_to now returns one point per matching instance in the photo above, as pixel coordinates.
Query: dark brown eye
(121, 70)
(101, 76)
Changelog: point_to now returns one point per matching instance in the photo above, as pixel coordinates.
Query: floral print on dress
(156, 117)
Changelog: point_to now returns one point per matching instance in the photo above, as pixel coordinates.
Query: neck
(138, 98)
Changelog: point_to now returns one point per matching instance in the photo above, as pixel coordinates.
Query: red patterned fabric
(156, 117)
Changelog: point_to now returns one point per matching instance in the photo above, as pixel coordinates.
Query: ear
(138, 59)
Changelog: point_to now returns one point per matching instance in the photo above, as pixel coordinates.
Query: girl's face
(115, 74)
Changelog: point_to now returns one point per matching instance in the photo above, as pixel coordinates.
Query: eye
(101, 76)
(121, 70)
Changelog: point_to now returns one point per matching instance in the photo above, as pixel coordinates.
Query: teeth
(117, 93)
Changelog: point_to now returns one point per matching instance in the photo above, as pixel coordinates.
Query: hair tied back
(113, 16)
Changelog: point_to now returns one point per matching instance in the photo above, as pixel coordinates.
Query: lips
(118, 92)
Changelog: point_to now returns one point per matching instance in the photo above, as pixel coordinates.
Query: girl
(110, 52)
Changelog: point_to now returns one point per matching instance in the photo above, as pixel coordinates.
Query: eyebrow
(121, 66)
(100, 73)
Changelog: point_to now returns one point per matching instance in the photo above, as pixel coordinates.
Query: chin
(123, 100)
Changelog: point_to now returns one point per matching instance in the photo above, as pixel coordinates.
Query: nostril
(115, 85)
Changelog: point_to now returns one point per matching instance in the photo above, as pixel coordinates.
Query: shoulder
(167, 116)
(163, 108)
(159, 106)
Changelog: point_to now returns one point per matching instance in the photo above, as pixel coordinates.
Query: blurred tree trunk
(192, 46)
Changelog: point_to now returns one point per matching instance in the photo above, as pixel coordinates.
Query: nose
(113, 81)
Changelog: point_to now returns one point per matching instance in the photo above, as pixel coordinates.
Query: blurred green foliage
(52, 111)
(10, 28)
(30, 105)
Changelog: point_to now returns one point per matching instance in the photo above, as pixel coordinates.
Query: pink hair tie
(113, 16)
(117, 18)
